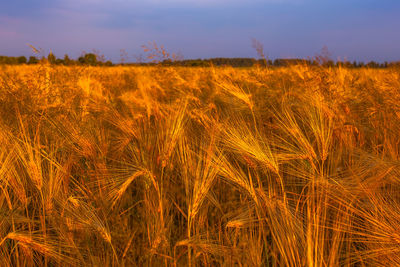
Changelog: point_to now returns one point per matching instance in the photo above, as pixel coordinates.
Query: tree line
(86, 59)
(94, 60)
(250, 62)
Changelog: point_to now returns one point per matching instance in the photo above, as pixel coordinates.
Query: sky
(361, 30)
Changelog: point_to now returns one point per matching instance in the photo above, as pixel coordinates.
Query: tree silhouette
(67, 60)
(51, 58)
(33, 60)
(21, 60)
(88, 59)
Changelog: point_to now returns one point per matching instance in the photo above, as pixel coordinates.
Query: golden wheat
(174, 166)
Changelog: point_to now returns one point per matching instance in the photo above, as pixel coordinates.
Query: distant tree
(196, 63)
(90, 59)
(3, 60)
(373, 64)
(395, 64)
(67, 60)
(166, 62)
(59, 61)
(348, 64)
(11, 60)
(81, 60)
(278, 62)
(21, 60)
(330, 63)
(33, 60)
(51, 58)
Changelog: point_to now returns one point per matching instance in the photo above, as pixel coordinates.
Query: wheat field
(216, 166)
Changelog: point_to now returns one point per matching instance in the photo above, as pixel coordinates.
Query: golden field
(169, 166)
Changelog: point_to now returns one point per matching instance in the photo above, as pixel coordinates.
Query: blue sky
(351, 29)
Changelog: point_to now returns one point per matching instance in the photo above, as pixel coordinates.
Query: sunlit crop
(216, 166)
